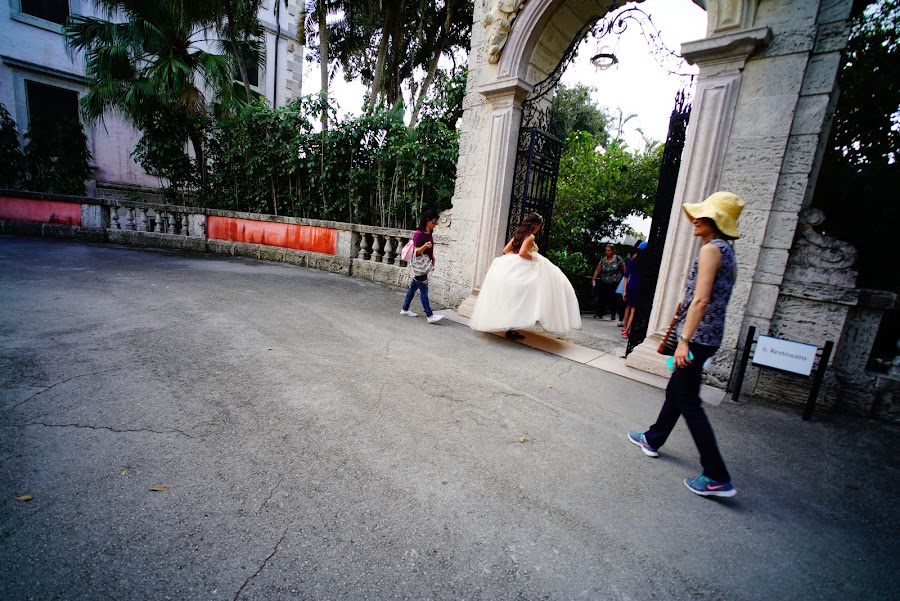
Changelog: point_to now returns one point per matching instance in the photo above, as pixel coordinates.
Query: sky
(637, 84)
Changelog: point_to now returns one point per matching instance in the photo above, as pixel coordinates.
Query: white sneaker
(435, 318)
(407, 313)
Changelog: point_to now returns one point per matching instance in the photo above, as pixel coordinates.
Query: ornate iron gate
(534, 184)
(662, 209)
(539, 150)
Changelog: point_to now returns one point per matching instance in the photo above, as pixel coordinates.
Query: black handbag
(670, 340)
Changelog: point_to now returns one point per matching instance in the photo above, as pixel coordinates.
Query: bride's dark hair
(525, 228)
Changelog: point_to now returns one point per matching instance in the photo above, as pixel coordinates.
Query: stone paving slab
(613, 363)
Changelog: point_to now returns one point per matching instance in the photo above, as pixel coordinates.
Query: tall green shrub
(11, 162)
(371, 169)
(57, 160)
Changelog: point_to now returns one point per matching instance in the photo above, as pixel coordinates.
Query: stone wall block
(220, 247)
(821, 73)
(771, 265)
(793, 41)
(752, 225)
(810, 114)
(832, 37)
(344, 244)
(271, 253)
(834, 10)
(781, 15)
(807, 321)
(857, 339)
(773, 77)
(757, 189)
(790, 192)
(297, 258)
(800, 154)
(754, 154)
(764, 116)
(197, 225)
(748, 258)
(739, 294)
(784, 389)
(761, 302)
(94, 216)
(780, 230)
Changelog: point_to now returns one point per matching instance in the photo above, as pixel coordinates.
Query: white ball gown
(517, 293)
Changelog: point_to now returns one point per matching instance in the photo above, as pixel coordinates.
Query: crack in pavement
(40, 392)
(266, 502)
(260, 568)
(116, 430)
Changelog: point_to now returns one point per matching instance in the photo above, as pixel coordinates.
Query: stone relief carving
(498, 22)
(820, 259)
(731, 14)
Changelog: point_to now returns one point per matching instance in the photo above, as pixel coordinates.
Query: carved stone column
(506, 98)
(721, 60)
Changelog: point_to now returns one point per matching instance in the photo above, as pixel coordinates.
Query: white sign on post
(786, 355)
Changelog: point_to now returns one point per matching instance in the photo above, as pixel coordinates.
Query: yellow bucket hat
(723, 208)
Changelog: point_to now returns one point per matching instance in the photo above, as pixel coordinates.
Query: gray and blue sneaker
(641, 441)
(706, 487)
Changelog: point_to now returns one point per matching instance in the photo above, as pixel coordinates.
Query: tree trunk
(301, 41)
(323, 64)
(378, 76)
(432, 68)
(197, 143)
(238, 55)
(242, 67)
(393, 93)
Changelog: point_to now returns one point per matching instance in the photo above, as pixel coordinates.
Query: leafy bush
(161, 152)
(371, 169)
(57, 159)
(574, 264)
(11, 160)
(598, 188)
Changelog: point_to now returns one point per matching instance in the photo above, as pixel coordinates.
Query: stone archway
(762, 108)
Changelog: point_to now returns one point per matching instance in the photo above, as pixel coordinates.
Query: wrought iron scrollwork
(540, 147)
(616, 24)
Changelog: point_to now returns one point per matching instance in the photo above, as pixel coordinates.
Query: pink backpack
(408, 252)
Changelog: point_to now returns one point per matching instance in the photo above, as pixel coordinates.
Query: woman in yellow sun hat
(700, 326)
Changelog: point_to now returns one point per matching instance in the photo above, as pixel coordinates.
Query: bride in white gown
(522, 288)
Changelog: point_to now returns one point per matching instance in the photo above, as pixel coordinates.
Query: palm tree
(454, 31)
(316, 29)
(240, 32)
(148, 65)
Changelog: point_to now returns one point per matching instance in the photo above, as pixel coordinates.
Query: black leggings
(683, 398)
(606, 298)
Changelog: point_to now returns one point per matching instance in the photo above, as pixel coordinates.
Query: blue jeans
(419, 282)
(683, 398)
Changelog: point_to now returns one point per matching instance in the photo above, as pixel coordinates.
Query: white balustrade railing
(367, 251)
(369, 243)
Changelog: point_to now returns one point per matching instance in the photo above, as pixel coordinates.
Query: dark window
(51, 10)
(48, 105)
(252, 72)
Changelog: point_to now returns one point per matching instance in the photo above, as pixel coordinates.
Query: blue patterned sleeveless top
(712, 326)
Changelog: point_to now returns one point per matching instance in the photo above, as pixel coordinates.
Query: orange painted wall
(40, 211)
(286, 235)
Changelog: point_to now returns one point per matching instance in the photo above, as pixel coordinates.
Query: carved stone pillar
(721, 60)
(506, 99)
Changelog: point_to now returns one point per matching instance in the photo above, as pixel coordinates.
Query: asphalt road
(309, 442)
